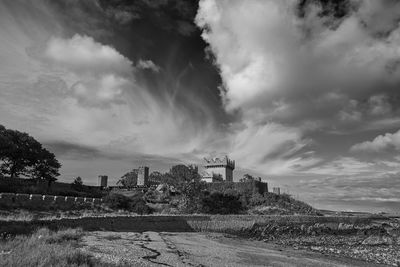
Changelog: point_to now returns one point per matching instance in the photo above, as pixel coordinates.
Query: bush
(154, 196)
(221, 203)
(46, 248)
(135, 203)
(117, 201)
(141, 208)
(284, 203)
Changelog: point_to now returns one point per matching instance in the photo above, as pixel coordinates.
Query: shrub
(46, 248)
(221, 203)
(118, 201)
(141, 208)
(135, 203)
(285, 203)
(154, 196)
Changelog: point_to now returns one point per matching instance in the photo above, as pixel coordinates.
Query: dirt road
(199, 249)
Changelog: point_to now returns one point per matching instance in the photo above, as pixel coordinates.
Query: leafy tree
(192, 193)
(129, 179)
(156, 176)
(77, 183)
(247, 177)
(181, 174)
(217, 177)
(46, 166)
(22, 155)
(134, 204)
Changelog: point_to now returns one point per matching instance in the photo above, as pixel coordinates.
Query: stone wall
(36, 201)
(242, 187)
(32, 186)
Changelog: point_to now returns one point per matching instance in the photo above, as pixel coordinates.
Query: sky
(301, 93)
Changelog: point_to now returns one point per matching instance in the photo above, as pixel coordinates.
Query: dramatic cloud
(380, 143)
(83, 54)
(83, 92)
(308, 73)
(267, 54)
(106, 101)
(96, 73)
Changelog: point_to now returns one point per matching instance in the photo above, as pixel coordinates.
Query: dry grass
(221, 226)
(46, 248)
(26, 215)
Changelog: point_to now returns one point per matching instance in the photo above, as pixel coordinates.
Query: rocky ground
(201, 249)
(378, 241)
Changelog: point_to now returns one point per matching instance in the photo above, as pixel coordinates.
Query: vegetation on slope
(46, 248)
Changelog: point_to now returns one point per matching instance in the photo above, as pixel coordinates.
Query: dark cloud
(333, 8)
(161, 31)
(67, 150)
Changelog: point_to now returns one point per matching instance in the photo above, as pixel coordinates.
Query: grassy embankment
(45, 248)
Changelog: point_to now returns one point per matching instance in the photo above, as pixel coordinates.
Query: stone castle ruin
(143, 176)
(102, 181)
(276, 190)
(218, 175)
(218, 169)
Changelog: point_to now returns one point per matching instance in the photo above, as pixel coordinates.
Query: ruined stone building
(218, 169)
(102, 180)
(276, 190)
(143, 176)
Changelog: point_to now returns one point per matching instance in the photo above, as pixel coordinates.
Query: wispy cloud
(148, 64)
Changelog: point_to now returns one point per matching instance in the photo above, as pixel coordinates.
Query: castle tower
(276, 190)
(143, 176)
(102, 181)
(222, 167)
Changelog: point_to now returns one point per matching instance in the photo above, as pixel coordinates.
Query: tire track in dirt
(182, 256)
(151, 258)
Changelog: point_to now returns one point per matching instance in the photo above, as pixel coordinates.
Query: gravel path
(199, 249)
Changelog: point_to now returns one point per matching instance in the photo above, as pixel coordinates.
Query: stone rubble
(377, 242)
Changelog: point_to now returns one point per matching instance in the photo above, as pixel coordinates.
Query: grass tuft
(46, 248)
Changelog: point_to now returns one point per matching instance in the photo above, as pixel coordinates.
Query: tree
(77, 183)
(156, 176)
(247, 177)
(192, 192)
(46, 166)
(217, 177)
(188, 182)
(129, 179)
(22, 155)
(181, 174)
